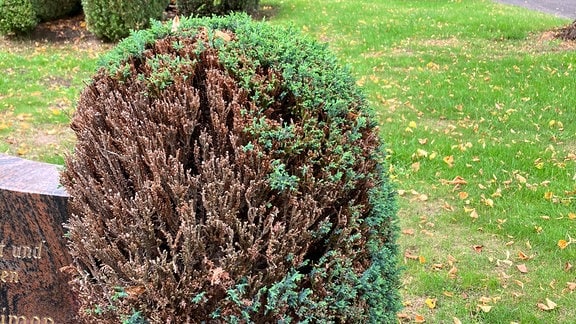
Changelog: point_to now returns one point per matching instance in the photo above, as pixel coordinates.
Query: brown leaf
(458, 180)
(567, 266)
(571, 286)
(419, 319)
(478, 248)
(548, 306)
(523, 256)
(409, 255)
(408, 231)
(522, 268)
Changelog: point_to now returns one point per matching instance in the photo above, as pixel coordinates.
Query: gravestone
(33, 253)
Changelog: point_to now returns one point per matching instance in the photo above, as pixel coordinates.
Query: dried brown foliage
(179, 200)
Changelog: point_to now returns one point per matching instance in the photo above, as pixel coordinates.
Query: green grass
(39, 85)
(475, 90)
(469, 90)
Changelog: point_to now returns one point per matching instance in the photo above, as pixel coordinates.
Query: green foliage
(16, 17)
(21, 16)
(230, 171)
(210, 7)
(114, 19)
(51, 9)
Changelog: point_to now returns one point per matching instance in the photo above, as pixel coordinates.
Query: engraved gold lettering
(15, 319)
(19, 319)
(9, 276)
(37, 253)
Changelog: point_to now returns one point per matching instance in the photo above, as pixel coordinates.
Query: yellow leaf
(449, 160)
(452, 272)
(430, 302)
(520, 178)
(572, 215)
(485, 308)
(489, 202)
(562, 244)
(421, 259)
(463, 195)
(548, 195)
(412, 124)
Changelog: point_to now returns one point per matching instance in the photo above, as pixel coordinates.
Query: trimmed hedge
(114, 19)
(229, 171)
(209, 7)
(21, 16)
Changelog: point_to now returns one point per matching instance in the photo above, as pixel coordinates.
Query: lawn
(476, 103)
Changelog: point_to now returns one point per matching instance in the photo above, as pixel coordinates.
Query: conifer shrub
(114, 19)
(219, 7)
(228, 171)
(21, 16)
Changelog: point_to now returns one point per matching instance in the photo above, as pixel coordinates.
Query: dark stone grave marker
(33, 207)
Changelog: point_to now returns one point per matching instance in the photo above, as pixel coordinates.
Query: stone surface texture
(33, 252)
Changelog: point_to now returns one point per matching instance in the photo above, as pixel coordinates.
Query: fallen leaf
(458, 180)
(448, 293)
(572, 215)
(422, 259)
(419, 319)
(449, 160)
(463, 195)
(571, 286)
(523, 256)
(567, 266)
(409, 255)
(408, 231)
(430, 302)
(485, 308)
(562, 244)
(456, 320)
(522, 268)
(416, 166)
(520, 178)
(488, 202)
(474, 214)
(550, 305)
(478, 248)
(452, 272)
(403, 316)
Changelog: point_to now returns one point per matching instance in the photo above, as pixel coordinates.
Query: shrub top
(231, 170)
